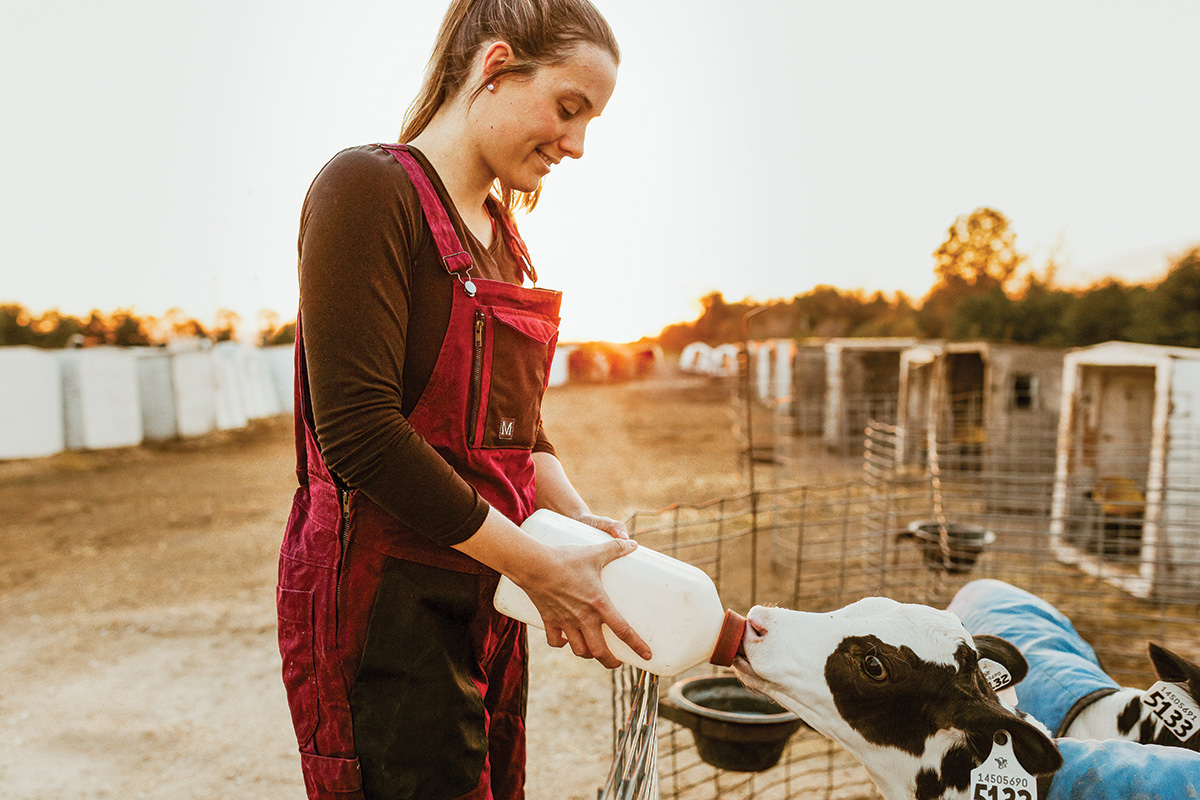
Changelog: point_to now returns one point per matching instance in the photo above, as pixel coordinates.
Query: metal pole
(747, 394)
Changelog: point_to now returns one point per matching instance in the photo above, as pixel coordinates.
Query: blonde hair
(540, 33)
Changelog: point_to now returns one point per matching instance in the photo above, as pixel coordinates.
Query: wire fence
(915, 514)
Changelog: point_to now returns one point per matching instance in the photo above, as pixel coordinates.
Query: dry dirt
(137, 602)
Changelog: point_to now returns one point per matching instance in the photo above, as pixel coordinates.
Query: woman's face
(527, 125)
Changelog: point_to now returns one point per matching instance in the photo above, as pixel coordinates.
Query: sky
(156, 154)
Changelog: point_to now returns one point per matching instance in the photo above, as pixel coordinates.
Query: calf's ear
(1002, 652)
(1174, 668)
(1034, 748)
(1032, 744)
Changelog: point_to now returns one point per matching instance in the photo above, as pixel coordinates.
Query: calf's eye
(874, 668)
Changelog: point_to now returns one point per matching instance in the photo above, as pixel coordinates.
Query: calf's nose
(756, 623)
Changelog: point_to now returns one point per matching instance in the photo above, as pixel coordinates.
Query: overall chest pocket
(510, 365)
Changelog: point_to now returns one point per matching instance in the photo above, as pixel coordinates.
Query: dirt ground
(137, 602)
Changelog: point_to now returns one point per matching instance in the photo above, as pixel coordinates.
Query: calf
(1127, 713)
(1066, 688)
(1138, 714)
(897, 685)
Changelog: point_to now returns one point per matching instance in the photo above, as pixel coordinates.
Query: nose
(756, 623)
(571, 142)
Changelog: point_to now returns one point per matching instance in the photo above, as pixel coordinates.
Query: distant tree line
(981, 293)
(984, 290)
(123, 327)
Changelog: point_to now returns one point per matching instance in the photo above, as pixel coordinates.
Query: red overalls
(403, 680)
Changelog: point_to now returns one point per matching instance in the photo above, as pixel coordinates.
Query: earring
(491, 87)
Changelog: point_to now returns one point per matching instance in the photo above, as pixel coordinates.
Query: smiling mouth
(549, 161)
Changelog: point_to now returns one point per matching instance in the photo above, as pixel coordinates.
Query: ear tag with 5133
(1175, 707)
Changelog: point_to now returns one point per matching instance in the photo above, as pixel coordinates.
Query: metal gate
(819, 546)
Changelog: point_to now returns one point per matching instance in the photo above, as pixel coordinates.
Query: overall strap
(300, 416)
(516, 244)
(454, 255)
(307, 451)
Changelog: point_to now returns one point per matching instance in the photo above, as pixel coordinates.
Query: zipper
(476, 377)
(344, 530)
(344, 540)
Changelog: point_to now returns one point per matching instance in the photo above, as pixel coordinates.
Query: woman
(421, 360)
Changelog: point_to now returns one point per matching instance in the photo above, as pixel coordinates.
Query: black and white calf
(897, 685)
(1067, 689)
(1130, 714)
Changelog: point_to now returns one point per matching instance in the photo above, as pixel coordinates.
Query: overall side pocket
(295, 610)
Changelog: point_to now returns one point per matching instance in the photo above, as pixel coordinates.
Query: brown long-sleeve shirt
(374, 305)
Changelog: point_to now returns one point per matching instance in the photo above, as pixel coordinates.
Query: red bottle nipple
(729, 642)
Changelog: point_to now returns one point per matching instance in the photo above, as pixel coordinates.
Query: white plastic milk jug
(673, 606)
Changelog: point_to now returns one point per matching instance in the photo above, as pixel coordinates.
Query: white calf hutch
(862, 383)
(192, 388)
(1127, 479)
(979, 393)
(231, 402)
(156, 395)
(994, 409)
(281, 364)
(700, 358)
(773, 360)
(103, 397)
(560, 365)
(31, 410)
(101, 405)
(695, 358)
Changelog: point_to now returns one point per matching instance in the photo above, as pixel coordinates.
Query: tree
(982, 315)
(225, 326)
(889, 318)
(54, 330)
(128, 330)
(980, 251)
(978, 256)
(284, 334)
(721, 321)
(272, 330)
(1101, 314)
(15, 325)
(176, 324)
(1178, 298)
(826, 311)
(1038, 310)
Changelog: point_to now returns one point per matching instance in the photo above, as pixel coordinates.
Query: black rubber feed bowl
(966, 542)
(734, 728)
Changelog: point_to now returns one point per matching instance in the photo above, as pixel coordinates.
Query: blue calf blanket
(1121, 770)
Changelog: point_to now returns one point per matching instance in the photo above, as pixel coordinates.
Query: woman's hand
(555, 492)
(574, 605)
(609, 525)
(563, 582)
